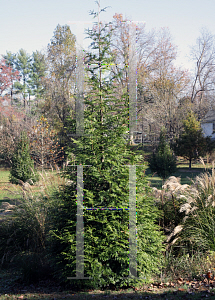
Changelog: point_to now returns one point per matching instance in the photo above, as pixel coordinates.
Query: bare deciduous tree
(161, 87)
(203, 87)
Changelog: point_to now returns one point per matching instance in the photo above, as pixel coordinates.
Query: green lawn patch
(5, 194)
(4, 175)
(183, 172)
(8, 190)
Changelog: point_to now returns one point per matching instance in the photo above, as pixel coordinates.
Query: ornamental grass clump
(189, 212)
(24, 227)
(186, 266)
(199, 210)
(169, 201)
(188, 223)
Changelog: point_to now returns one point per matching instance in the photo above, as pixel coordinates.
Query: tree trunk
(190, 163)
(132, 140)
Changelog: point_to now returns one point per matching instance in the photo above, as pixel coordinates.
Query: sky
(29, 24)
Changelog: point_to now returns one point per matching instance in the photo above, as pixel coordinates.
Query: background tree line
(44, 83)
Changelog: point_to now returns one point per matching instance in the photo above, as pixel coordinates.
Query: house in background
(208, 124)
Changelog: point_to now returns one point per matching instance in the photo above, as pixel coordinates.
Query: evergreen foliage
(22, 164)
(191, 143)
(23, 65)
(163, 161)
(104, 155)
(37, 74)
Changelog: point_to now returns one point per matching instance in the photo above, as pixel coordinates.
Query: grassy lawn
(4, 175)
(5, 186)
(170, 294)
(8, 191)
(184, 173)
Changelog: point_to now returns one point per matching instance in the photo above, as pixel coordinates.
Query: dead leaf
(172, 284)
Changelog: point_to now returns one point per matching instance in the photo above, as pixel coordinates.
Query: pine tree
(104, 154)
(37, 74)
(22, 164)
(163, 161)
(23, 65)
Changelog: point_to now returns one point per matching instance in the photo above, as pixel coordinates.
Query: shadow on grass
(12, 288)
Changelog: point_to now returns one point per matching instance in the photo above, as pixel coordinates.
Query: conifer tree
(22, 164)
(191, 144)
(163, 161)
(23, 65)
(104, 154)
(37, 74)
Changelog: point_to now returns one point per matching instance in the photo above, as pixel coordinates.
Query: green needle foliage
(191, 143)
(22, 164)
(163, 161)
(104, 154)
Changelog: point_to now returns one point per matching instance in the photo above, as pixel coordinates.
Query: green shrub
(22, 164)
(191, 144)
(163, 161)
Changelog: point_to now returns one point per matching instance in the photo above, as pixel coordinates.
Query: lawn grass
(5, 186)
(183, 172)
(170, 294)
(8, 191)
(4, 175)
(186, 176)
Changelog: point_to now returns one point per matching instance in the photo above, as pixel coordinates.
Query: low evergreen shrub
(163, 161)
(22, 164)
